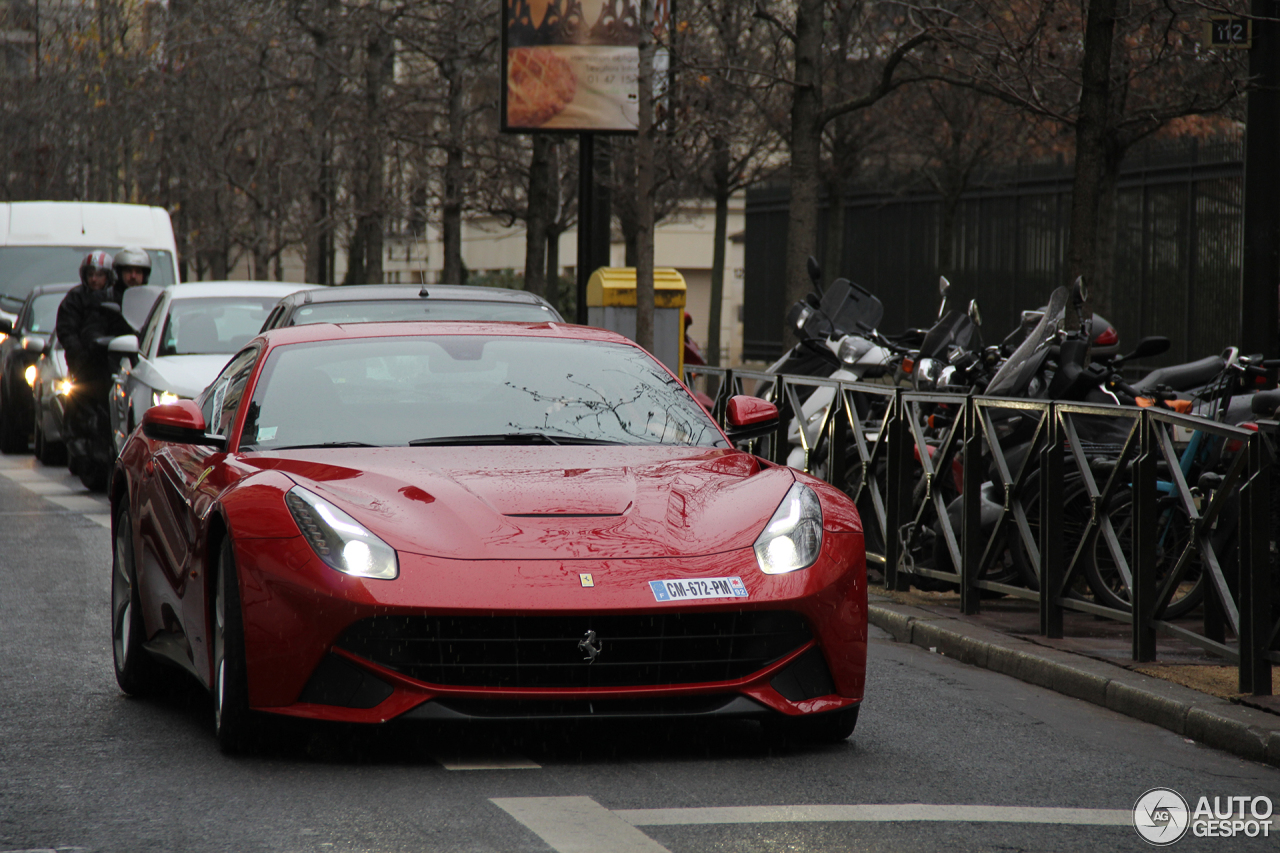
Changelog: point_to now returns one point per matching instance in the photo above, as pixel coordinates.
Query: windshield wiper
(322, 444)
(506, 438)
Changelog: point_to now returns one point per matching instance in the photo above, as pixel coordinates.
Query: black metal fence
(1152, 518)
(1179, 245)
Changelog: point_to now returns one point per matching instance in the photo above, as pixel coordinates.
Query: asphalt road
(945, 756)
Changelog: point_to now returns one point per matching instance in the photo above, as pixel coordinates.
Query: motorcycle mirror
(943, 287)
(1081, 290)
(815, 271)
(974, 314)
(1147, 347)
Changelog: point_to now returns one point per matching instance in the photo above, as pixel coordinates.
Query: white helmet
(134, 256)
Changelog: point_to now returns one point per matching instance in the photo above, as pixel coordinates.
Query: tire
(93, 475)
(13, 436)
(51, 453)
(1077, 509)
(233, 721)
(137, 672)
(830, 728)
(1174, 529)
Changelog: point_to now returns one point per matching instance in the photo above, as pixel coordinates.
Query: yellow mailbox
(611, 304)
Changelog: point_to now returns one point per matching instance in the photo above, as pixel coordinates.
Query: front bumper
(298, 611)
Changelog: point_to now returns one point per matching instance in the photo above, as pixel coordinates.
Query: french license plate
(698, 588)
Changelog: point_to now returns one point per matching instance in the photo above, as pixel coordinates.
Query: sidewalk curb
(1246, 732)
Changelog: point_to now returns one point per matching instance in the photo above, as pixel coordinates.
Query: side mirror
(815, 271)
(6, 325)
(749, 417)
(34, 343)
(943, 287)
(123, 345)
(974, 314)
(1147, 347)
(180, 423)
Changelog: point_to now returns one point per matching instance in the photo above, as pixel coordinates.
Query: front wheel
(233, 722)
(137, 673)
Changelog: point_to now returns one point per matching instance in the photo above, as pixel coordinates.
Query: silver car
(191, 332)
(49, 391)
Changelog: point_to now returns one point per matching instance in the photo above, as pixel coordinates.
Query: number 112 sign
(1225, 31)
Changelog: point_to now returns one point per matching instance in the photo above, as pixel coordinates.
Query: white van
(43, 242)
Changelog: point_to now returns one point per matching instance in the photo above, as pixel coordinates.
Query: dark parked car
(371, 303)
(22, 343)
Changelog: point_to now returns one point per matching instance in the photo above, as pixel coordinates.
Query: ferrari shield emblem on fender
(591, 646)
(586, 579)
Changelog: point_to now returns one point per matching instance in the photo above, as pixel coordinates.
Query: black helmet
(98, 261)
(134, 256)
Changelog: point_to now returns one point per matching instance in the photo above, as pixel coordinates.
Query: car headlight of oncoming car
(30, 374)
(338, 539)
(163, 398)
(793, 537)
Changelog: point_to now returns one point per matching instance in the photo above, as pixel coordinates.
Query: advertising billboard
(572, 65)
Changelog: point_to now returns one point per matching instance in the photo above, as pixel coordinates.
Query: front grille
(543, 651)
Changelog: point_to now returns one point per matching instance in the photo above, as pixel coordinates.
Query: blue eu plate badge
(698, 589)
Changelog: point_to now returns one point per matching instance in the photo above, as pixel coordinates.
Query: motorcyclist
(83, 326)
(132, 266)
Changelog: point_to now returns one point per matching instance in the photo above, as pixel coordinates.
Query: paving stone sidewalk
(1090, 663)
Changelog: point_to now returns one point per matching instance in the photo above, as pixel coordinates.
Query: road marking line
(577, 825)
(46, 486)
(79, 503)
(886, 813)
(470, 762)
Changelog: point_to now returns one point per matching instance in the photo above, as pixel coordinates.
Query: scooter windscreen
(846, 309)
(954, 329)
(1016, 373)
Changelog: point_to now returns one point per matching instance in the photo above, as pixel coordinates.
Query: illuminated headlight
(62, 387)
(30, 374)
(338, 539)
(793, 537)
(163, 398)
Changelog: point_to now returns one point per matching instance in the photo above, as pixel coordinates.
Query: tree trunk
(833, 256)
(1102, 289)
(802, 220)
(720, 177)
(1086, 190)
(539, 201)
(451, 203)
(645, 183)
(319, 269)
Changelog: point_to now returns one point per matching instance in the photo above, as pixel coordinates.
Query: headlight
(62, 387)
(338, 539)
(163, 398)
(30, 374)
(928, 372)
(853, 348)
(793, 537)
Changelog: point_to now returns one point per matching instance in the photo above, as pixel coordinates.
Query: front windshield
(215, 325)
(44, 312)
(373, 311)
(24, 267)
(455, 389)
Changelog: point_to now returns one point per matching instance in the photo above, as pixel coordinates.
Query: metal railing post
(836, 445)
(1144, 541)
(1051, 519)
(1255, 579)
(896, 488)
(781, 448)
(971, 544)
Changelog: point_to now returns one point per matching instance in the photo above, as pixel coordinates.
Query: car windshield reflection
(463, 389)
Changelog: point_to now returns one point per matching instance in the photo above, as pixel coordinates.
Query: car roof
(42, 289)
(458, 292)
(201, 289)
(318, 332)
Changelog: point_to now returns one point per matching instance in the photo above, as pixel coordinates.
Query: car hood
(184, 375)
(572, 502)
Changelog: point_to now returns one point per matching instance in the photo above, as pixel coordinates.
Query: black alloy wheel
(233, 721)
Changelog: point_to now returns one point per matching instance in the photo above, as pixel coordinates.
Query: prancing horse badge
(591, 646)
